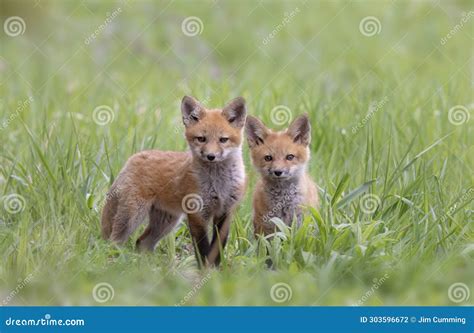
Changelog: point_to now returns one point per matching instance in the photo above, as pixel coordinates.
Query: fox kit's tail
(108, 213)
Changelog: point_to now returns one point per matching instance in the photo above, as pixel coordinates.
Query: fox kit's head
(214, 135)
(279, 155)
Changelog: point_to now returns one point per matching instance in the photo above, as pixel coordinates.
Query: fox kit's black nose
(277, 173)
(211, 157)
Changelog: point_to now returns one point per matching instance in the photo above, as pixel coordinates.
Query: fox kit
(206, 183)
(281, 159)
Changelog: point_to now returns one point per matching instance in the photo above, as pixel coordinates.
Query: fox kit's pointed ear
(256, 131)
(300, 130)
(235, 112)
(192, 111)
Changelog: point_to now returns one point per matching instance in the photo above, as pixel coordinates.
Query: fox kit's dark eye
(268, 158)
(223, 140)
(290, 157)
(201, 138)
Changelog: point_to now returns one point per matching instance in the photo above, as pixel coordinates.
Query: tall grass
(403, 154)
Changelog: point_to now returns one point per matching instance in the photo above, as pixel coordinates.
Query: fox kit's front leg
(209, 254)
(219, 237)
(198, 228)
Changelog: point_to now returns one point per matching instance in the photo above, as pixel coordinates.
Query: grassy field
(389, 89)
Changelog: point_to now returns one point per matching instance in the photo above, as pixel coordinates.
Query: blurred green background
(389, 89)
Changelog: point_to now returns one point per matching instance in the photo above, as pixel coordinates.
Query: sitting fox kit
(281, 158)
(205, 183)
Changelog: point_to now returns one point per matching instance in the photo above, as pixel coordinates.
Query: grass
(381, 127)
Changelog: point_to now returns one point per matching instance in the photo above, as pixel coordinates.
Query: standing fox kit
(205, 183)
(281, 158)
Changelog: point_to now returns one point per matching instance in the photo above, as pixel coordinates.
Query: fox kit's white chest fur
(283, 200)
(221, 185)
